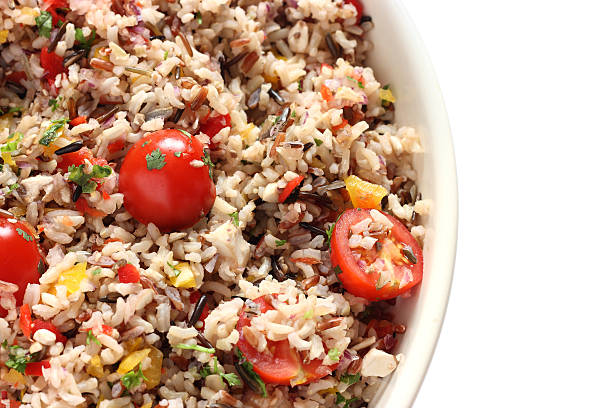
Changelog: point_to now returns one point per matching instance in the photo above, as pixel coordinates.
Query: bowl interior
(399, 58)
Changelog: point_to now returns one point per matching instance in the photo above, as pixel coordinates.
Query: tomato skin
(79, 120)
(175, 196)
(35, 368)
(289, 188)
(213, 125)
(280, 363)
(353, 277)
(51, 6)
(19, 257)
(77, 158)
(128, 274)
(357, 4)
(25, 320)
(17, 77)
(52, 63)
(82, 207)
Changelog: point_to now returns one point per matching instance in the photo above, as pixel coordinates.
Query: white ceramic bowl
(399, 58)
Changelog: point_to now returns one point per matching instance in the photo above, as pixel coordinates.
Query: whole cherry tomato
(20, 258)
(166, 179)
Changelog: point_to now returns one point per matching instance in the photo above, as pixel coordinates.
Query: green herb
(245, 369)
(176, 270)
(12, 146)
(177, 154)
(350, 379)
(195, 347)
(318, 142)
(215, 365)
(133, 379)
(293, 114)
(232, 379)
(334, 354)
(165, 55)
(84, 43)
(309, 314)
(186, 133)
(80, 178)
(198, 17)
(409, 254)
(44, 22)
(356, 81)
(52, 132)
(13, 187)
(91, 337)
(337, 270)
(96, 271)
(329, 232)
(55, 103)
(145, 143)
(18, 357)
(155, 160)
(347, 403)
(280, 242)
(24, 234)
(209, 163)
(235, 220)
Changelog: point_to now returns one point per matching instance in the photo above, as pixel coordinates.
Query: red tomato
(289, 188)
(361, 276)
(19, 255)
(35, 368)
(16, 77)
(41, 324)
(11, 404)
(213, 125)
(51, 6)
(128, 274)
(82, 206)
(77, 158)
(160, 185)
(79, 120)
(52, 63)
(116, 146)
(104, 329)
(326, 93)
(25, 320)
(357, 4)
(279, 363)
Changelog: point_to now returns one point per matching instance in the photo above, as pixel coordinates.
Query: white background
(528, 88)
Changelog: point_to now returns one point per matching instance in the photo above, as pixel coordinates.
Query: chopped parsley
(350, 379)
(209, 163)
(24, 234)
(280, 242)
(78, 176)
(356, 81)
(195, 347)
(318, 142)
(155, 160)
(293, 114)
(231, 378)
(13, 143)
(96, 271)
(145, 143)
(84, 43)
(18, 357)
(177, 154)
(334, 354)
(198, 17)
(52, 131)
(186, 133)
(44, 22)
(91, 337)
(13, 187)
(347, 403)
(165, 55)
(235, 219)
(54, 103)
(337, 270)
(133, 379)
(245, 369)
(176, 270)
(329, 232)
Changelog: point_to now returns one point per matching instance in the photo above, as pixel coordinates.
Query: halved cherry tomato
(358, 6)
(79, 120)
(383, 272)
(82, 206)
(41, 324)
(161, 185)
(51, 6)
(213, 125)
(279, 363)
(35, 368)
(116, 146)
(52, 64)
(128, 273)
(289, 188)
(25, 320)
(77, 158)
(19, 255)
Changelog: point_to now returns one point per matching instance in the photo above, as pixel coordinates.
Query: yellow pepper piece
(245, 134)
(95, 368)
(387, 95)
(133, 344)
(14, 377)
(184, 278)
(132, 360)
(3, 36)
(72, 278)
(154, 371)
(6, 156)
(273, 79)
(364, 194)
(147, 405)
(8, 159)
(29, 11)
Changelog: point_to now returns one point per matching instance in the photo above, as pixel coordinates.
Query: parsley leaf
(350, 379)
(337, 270)
(84, 43)
(155, 160)
(13, 143)
(209, 163)
(329, 232)
(235, 219)
(91, 337)
(18, 357)
(195, 347)
(133, 379)
(165, 55)
(356, 81)
(100, 171)
(96, 271)
(52, 131)
(24, 234)
(232, 379)
(44, 22)
(199, 17)
(280, 242)
(334, 354)
(177, 154)
(347, 403)
(186, 133)
(176, 270)
(13, 187)
(55, 103)
(80, 178)
(145, 143)
(318, 142)
(245, 369)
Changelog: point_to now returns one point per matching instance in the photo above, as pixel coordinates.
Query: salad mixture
(205, 203)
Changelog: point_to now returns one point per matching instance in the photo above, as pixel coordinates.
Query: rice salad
(205, 203)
